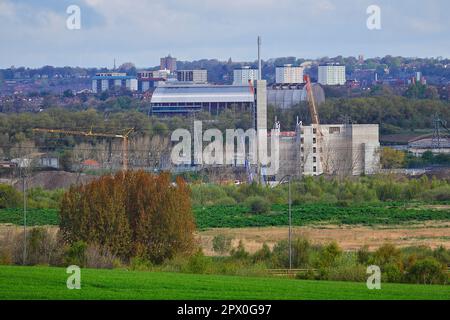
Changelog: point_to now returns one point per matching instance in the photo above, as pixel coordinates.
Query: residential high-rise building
(194, 76)
(169, 63)
(289, 74)
(332, 75)
(243, 75)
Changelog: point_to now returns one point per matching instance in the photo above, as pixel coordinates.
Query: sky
(34, 33)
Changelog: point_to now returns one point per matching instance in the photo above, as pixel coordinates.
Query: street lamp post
(290, 225)
(289, 177)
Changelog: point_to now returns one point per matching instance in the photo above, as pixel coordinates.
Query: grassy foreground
(50, 283)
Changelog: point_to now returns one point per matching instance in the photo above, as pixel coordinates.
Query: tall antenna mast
(259, 59)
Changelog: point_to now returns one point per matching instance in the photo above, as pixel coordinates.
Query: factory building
(111, 81)
(332, 75)
(243, 75)
(181, 99)
(288, 74)
(194, 76)
(287, 96)
(344, 149)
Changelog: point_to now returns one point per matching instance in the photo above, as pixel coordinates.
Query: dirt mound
(54, 180)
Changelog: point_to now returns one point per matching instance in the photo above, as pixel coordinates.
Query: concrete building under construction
(345, 149)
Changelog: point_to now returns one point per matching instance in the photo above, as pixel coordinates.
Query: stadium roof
(202, 94)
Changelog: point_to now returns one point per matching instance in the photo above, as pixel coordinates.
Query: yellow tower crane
(89, 133)
(317, 131)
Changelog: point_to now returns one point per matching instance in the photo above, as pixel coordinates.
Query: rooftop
(202, 93)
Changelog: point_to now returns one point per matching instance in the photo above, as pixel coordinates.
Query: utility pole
(290, 225)
(289, 177)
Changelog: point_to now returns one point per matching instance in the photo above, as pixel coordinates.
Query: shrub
(363, 255)
(258, 205)
(442, 255)
(7, 248)
(329, 254)
(392, 272)
(386, 254)
(355, 273)
(428, 271)
(198, 263)
(76, 254)
(221, 243)
(263, 255)
(99, 258)
(225, 201)
(300, 252)
(9, 197)
(239, 252)
(41, 247)
(441, 193)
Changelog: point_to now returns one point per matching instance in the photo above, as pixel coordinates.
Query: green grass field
(50, 283)
(239, 216)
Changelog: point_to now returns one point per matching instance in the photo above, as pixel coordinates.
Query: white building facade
(332, 75)
(243, 75)
(194, 76)
(288, 74)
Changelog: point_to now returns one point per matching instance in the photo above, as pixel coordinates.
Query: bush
(41, 247)
(354, 273)
(262, 255)
(9, 197)
(221, 243)
(76, 254)
(258, 205)
(225, 201)
(140, 264)
(300, 252)
(428, 271)
(392, 272)
(329, 254)
(363, 255)
(386, 254)
(441, 193)
(239, 253)
(7, 248)
(198, 263)
(99, 258)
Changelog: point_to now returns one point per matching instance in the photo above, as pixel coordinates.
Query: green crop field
(239, 216)
(50, 283)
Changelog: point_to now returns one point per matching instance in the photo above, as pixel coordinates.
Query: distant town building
(194, 76)
(332, 75)
(157, 74)
(169, 63)
(110, 81)
(243, 75)
(289, 74)
(149, 80)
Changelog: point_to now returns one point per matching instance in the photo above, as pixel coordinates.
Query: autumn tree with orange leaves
(131, 214)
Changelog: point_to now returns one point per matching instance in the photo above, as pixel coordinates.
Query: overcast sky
(34, 33)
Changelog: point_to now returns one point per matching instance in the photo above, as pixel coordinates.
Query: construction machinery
(315, 122)
(90, 133)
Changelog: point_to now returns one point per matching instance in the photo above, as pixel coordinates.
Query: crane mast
(317, 132)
